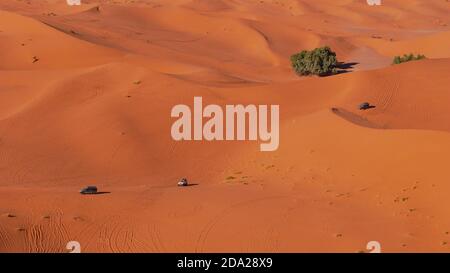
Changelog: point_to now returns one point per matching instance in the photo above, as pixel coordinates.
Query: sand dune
(86, 94)
(28, 44)
(403, 96)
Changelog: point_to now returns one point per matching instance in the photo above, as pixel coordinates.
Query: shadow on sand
(341, 68)
(345, 67)
(191, 185)
(97, 193)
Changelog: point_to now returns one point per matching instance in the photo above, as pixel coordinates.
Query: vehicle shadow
(369, 107)
(103, 192)
(191, 185)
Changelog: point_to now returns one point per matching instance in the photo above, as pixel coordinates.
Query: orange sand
(85, 98)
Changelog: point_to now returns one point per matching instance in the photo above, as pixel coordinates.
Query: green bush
(320, 61)
(407, 58)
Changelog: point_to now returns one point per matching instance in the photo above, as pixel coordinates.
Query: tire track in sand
(204, 234)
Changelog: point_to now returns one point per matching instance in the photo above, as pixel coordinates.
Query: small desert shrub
(320, 61)
(407, 58)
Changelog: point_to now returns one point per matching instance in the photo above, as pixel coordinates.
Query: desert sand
(85, 99)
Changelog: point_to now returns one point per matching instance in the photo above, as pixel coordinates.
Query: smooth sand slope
(86, 94)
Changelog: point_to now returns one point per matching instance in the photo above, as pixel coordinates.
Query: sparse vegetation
(407, 58)
(320, 61)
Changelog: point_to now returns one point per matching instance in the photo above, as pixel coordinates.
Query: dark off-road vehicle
(365, 106)
(89, 190)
